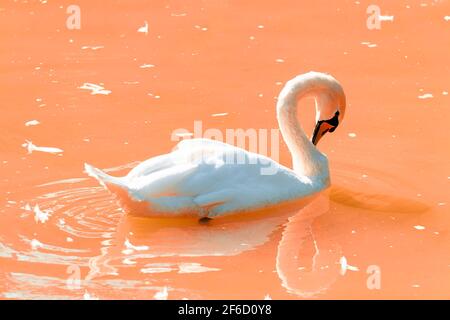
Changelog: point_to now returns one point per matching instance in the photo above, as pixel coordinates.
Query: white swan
(211, 178)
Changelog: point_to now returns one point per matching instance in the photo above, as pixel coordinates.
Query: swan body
(210, 178)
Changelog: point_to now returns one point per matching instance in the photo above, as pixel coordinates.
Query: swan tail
(103, 178)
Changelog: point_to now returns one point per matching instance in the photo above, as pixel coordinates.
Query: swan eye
(333, 122)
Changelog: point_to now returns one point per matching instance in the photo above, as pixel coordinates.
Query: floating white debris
(128, 261)
(69, 239)
(200, 27)
(154, 96)
(345, 266)
(194, 268)
(131, 82)
(162, 295)
(31, 147)
(368, 44)
(88, 296)
(146, 65)
(92, 47)
(279, 60)
(184, 134)
(35, 244)
(144, 28)
(260, 26)
(441, 204)
(386, 18)
(95, 88)
(419, 227)
(352, 135)
(415, 286)
(447, 18)
(267, 297)
(31, 123)
(445, 93)
(39, 215)
(219, 114)
(27, 207)
(425, 96)
(156, 270)
(130, 246)
(178, 14)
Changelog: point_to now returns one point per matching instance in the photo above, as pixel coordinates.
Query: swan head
(330, 108)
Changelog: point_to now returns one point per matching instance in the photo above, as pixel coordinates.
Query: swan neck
(307, 160)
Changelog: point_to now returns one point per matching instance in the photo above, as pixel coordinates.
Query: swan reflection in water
(307, 263)
(123, 256)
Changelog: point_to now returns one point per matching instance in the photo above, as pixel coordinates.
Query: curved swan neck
(307, 160)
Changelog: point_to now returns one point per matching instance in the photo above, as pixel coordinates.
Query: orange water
(388, 203)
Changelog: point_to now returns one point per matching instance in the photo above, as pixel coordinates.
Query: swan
(208, 178)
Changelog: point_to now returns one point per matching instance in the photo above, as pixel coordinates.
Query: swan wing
(214, 176)
(186, 151)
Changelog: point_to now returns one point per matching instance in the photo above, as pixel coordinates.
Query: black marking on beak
(324, 126)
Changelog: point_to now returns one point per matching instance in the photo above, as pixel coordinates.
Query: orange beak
(321, 128)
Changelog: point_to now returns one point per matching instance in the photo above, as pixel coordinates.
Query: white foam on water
(419, 227)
